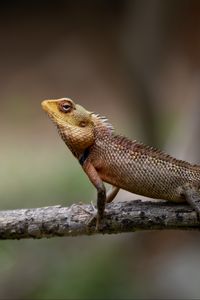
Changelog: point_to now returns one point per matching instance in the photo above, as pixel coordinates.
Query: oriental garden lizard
(121, 162)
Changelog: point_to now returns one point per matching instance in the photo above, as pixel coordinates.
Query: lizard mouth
(53, 115)
(57, 120)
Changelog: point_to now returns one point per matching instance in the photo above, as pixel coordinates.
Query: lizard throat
(77, 146)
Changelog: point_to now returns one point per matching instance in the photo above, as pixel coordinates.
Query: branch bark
(72, 221)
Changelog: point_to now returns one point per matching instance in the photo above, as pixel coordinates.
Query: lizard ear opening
(83, 124)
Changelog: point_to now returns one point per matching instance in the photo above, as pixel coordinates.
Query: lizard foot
(192, 196)
(88, 211)
(94, 217)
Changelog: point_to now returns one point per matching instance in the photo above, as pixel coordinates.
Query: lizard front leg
(101, 190)
(192, 196)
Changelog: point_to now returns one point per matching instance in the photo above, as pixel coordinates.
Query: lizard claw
(94, 216)
(94, 210)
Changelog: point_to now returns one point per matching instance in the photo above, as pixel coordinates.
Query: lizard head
(74, 123)
(77, 126)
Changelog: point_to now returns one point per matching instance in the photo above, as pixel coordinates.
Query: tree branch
(72, 221)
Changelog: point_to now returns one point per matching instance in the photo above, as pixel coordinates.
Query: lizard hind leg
(112, 192)
(192, 196)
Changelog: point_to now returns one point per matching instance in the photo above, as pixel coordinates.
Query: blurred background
(138, 63)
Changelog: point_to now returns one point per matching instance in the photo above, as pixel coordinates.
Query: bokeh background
(138, 63)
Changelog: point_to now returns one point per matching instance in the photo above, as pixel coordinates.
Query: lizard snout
(44, 104)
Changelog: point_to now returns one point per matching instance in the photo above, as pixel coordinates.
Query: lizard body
(130, 165)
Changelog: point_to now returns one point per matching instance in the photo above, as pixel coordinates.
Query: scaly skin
(126, 164)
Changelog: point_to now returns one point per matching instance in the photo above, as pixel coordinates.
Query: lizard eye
(65, 107)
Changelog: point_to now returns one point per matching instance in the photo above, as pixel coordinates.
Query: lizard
(125, 164)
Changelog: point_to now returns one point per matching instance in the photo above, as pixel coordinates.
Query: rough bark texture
(72, 221)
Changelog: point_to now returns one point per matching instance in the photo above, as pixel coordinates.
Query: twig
(72, 221)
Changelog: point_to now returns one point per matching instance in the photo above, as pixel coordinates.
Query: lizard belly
(147, 182)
